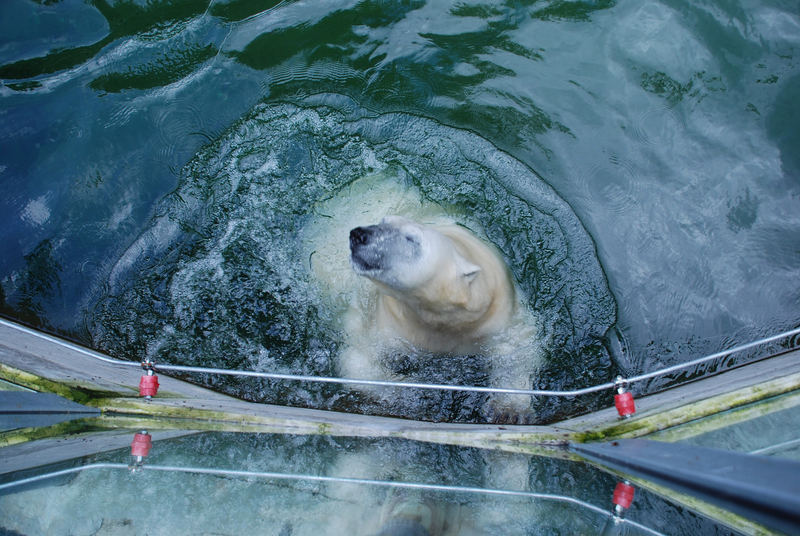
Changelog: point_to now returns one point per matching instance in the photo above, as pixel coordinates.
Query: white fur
(456, 297)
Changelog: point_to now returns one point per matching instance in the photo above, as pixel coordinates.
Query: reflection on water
(122, 20)
(162, 498)
(668, 127)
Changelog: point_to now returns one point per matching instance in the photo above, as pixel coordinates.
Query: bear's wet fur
(440, 289)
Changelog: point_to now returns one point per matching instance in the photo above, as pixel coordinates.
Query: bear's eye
(412, 239)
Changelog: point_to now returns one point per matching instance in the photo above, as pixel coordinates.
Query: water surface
(636, 163)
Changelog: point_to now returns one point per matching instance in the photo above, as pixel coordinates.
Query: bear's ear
(468, 270)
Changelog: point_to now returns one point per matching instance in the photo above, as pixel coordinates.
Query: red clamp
(142, 443)
(623, 400)
(623, 495)
(140, 448)
(623, 498)
(148, 384)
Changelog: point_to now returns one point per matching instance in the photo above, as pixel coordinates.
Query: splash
(226, 274)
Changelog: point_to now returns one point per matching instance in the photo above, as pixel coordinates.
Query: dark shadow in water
(446, 66)
(570, 10)
(38, 282)
(125, 18)
(442, 65)
(237, 10)
(168, 68)
(333, 36)
(673, 92)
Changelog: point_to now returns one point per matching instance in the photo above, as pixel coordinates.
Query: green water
(636, 163)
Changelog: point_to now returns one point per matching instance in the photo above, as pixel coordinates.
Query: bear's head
(412, 262)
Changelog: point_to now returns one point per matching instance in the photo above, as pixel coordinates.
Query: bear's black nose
(359, 236)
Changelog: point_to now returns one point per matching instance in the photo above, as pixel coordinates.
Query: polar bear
(424, 285)
(439, 289)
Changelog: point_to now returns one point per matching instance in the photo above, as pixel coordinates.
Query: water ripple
(657, 125)
(619, 184)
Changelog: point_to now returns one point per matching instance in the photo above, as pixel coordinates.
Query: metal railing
(413, 385)
(333, 479)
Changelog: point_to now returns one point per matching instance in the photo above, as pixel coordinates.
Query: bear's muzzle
(364, 256)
